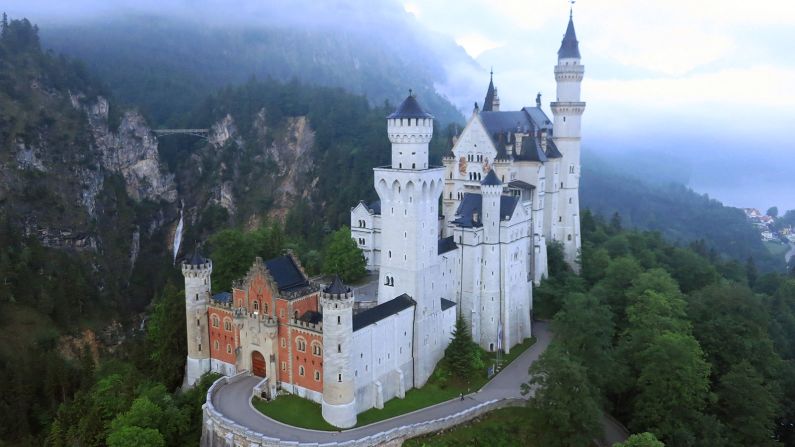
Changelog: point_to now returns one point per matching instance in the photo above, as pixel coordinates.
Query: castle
(509, 185)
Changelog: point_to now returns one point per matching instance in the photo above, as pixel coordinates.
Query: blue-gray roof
(552, 149)
(409, 108)
(287, 275)
(375, 207)
(531, 150)
(381, 311)
(222, 297)
(337, 287)
(445, 245)
(489, 101)
(491, 179)
(446, 304)
(569, 47)
(472, 203)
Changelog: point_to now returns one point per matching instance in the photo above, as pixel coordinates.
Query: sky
(712, 79)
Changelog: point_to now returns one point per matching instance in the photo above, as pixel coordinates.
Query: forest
(689, 321)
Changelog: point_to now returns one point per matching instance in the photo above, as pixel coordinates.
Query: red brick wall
(221, 335)
(308, 360)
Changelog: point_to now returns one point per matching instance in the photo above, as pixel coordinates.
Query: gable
(474, 139)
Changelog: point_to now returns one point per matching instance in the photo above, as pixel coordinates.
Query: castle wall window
(265, 307)
(256, 306)
(317, 376)
(227, 325)
(317, 349)
(228, 348)
(216, 345)
(284, 366)
(339, 377)
(284, 343)
(339, 319)
(301, 371)
(216, 321)
(300, 344)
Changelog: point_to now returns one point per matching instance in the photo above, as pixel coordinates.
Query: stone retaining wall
(219, 431)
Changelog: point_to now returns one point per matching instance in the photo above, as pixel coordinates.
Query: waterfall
(178, 233)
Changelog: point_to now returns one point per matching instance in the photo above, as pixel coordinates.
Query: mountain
(167, 64)
(653, 199)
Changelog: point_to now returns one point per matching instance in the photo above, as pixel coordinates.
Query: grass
(777, 249)
(293, 410)
(299, 412)
(503, 427)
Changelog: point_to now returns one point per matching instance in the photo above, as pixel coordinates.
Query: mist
(703, 112)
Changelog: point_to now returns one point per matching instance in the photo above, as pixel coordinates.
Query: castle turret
(491, 301)
(197, 271)
(409, 190)
(410, 130)
(339, 387)
(567, 111)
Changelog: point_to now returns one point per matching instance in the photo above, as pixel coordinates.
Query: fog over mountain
(692, 94)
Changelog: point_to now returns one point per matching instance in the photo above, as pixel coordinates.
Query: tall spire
(569, 47)
(489, 101)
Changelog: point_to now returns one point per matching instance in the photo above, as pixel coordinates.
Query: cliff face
(254, 176)
(132, 152)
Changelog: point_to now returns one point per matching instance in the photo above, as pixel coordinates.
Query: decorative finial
(538, 100)
(410, 93)
(491, 73)
(571, 8)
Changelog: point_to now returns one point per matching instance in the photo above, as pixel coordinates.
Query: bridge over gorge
(201, 133)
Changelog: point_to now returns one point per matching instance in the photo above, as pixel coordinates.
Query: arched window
(300, 370)
(300, 344)
(216, 345)
(295, 314)
(569, 237)
(317, 376)
(256, 306)
(227, 324)
(413, 165)
(317, 349)
(216, 321)
(228, 348)
(339, 377)
(264, 307)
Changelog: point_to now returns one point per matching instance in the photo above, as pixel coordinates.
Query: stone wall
(219, 431)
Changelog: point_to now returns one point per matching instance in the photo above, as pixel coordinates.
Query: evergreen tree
(641, 440)
(564, 410)
(747, 406)
(462, 353)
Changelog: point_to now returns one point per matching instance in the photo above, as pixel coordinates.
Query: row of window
(217, 323)
(300, 345)
(361, 241)
(302, 371)
(217, 346)
(362, 224)
(474, 176)
(472, 157)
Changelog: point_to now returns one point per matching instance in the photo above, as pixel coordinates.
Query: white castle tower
(339, 387)
(492, 296)
(567, 111)
(409, 191)
(197, 273)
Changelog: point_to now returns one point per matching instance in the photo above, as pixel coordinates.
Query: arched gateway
(257, 364)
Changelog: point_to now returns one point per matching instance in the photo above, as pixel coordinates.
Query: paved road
(232, 401)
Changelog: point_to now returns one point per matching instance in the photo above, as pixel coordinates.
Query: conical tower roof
(337, 287)
(569, 47)
(409, 108)
(489, 101)
(491, 179)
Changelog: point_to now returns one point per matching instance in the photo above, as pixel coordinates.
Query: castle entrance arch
(257, 364)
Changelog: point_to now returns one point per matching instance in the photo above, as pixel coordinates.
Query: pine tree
(462, 354)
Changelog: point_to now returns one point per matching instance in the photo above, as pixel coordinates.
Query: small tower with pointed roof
(491, 299)
(410, 130)
(567, 111)
(197, 272)
(492, 101)
(339, 387)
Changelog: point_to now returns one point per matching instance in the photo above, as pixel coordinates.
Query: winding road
(232, 400)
